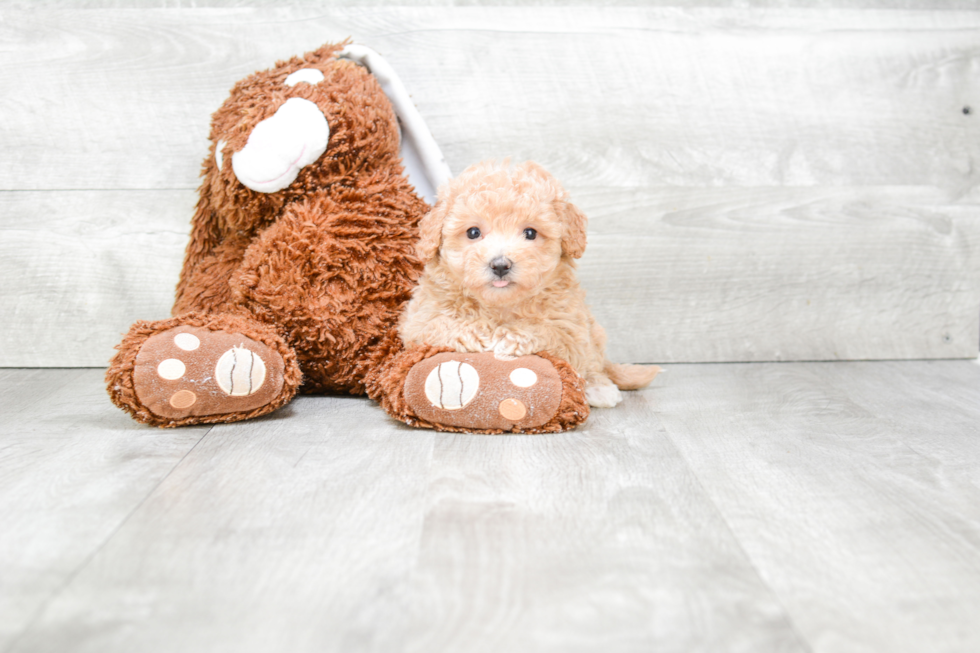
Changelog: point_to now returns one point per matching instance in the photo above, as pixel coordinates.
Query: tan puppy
(499, 249)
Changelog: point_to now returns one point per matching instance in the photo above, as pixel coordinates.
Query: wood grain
(704, 98)
(778, 184)
(852, 488)
(72, 469)
(22, 391)
(673, 274)
(594, 540)
(80, 267)
(277, 534)
(330, 527)
(602, 96)
(745, 507)
(759, 274)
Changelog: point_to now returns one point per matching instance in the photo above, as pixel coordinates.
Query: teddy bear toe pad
(480, 391)
(192, 371)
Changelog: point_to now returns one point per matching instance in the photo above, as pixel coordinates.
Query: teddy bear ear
(430, 231)
(574, 225)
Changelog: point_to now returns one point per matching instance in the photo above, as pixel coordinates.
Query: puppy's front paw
(473, 339)
(511, 344)
(602, 396)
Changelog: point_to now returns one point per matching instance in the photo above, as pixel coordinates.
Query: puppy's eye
(530, 234)
(473, 233)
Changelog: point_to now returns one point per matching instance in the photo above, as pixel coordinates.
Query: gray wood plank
(596, 540)
(685, 275)
(852, 488)
(612, 96)
(72, 470)
(80, 267)
(329, 527)
(272, 535)
(22, 390)
(702, 97)
(674, 274)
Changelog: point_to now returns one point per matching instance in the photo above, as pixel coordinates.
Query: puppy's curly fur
(499, 249)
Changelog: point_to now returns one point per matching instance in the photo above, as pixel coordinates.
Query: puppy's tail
(630, 377)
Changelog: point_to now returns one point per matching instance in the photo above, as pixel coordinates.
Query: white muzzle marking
(280, 146)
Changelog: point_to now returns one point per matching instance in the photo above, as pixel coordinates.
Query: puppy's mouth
(500, 283)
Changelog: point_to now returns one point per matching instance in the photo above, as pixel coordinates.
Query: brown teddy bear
(302, 255)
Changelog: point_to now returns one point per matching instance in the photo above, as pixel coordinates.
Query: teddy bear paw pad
(193, 371)
(481, 392)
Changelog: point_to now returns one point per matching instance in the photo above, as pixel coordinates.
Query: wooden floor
(733, 507)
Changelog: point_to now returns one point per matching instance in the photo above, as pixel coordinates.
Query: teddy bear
(302, 255)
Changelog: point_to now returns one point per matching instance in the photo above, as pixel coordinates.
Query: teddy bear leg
(199, 368)
(478, 392)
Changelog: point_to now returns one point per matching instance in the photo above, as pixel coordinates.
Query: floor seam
(91, 556)
(45, 396)
(738, 542)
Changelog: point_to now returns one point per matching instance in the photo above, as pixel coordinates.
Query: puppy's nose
(501, 265)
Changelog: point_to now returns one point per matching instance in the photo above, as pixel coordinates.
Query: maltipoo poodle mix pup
(302, 256)
(500, 249)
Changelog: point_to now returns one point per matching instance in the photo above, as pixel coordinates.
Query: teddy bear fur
(305, 258)
(318, 271)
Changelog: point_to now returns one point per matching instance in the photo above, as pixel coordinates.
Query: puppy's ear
(574, 223)
(430, 231)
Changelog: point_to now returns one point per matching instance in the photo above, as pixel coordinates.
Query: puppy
(499, 249)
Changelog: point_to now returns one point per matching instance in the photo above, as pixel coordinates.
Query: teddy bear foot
(202, 369)
(191, 371)
(480, 392)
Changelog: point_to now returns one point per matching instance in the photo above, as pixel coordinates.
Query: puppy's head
(502, 233)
